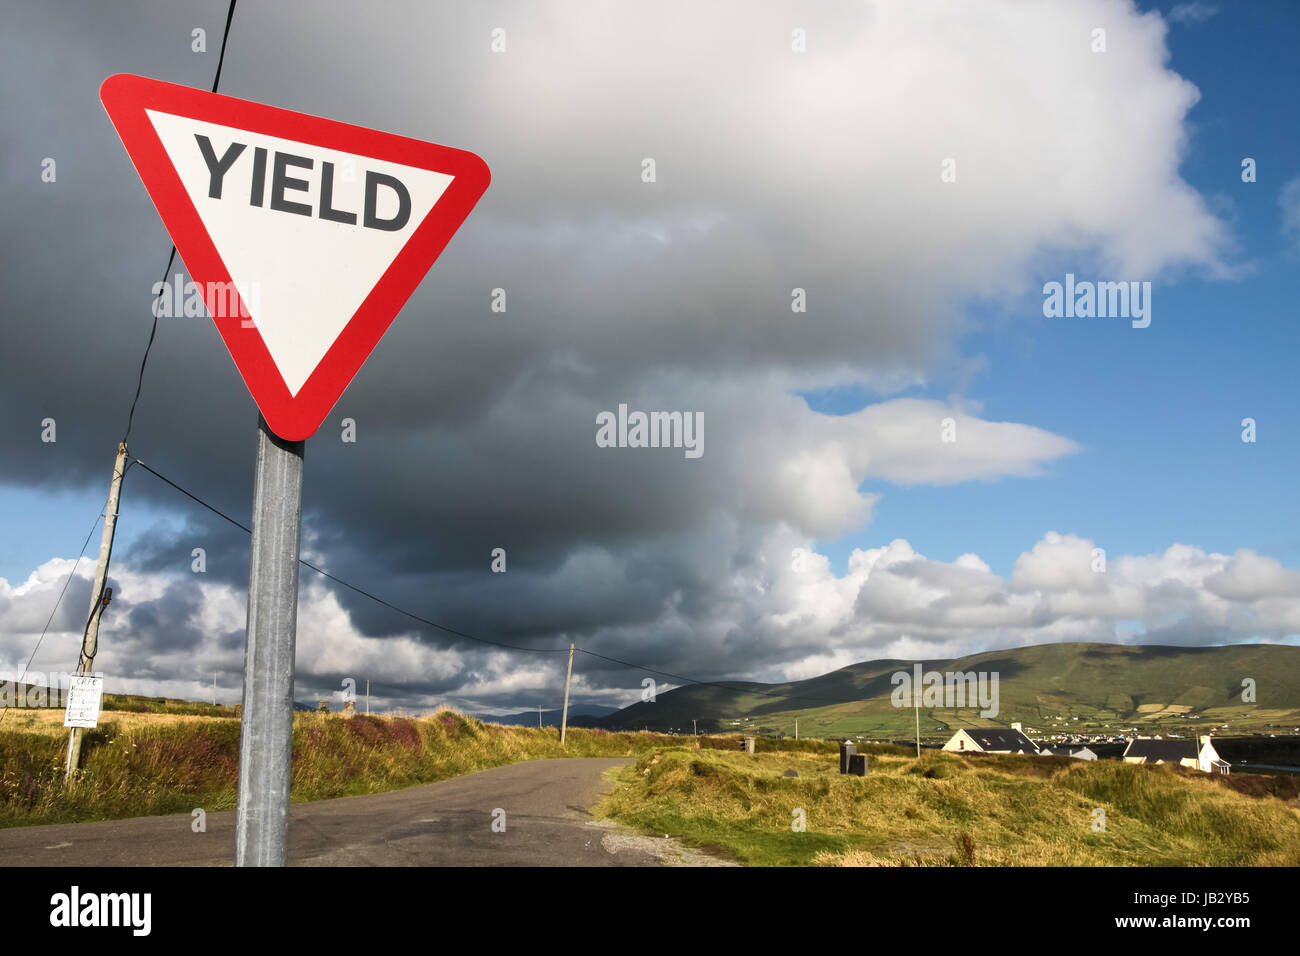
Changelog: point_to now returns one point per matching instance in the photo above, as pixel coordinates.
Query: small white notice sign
(84, 698)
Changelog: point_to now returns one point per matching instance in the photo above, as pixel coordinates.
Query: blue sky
(48, 524)
(477, 427)
(1157, 411)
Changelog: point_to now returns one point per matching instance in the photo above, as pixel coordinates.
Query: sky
(920, 170)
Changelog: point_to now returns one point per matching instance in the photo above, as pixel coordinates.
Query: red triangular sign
(306, 236)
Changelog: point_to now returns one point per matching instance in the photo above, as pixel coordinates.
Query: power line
(221, 57)
(139, 382)
(153, 332)
(471, 637)
(55, 610)
(130, 421)
(216, 82)
(216, 511)
(349, 584)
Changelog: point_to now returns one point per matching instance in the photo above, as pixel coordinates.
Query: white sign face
(84, 698)
(303, 236)
(320, 230)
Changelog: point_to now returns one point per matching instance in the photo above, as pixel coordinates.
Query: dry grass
(943, 810)
(50, 721)
(952, 811)
(139, 764)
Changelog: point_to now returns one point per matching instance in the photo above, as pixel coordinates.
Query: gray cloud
(476, 429)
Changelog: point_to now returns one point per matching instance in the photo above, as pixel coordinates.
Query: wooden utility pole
(695, 731)
(564, 718)
(90, 641)
(916, 703)
(367, 696)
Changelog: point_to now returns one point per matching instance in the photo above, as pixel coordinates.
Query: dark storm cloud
(165, 549)
(476, 429)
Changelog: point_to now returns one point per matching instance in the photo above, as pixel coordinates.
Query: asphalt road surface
(547, 823)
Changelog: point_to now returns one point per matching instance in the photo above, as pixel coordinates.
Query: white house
(991, 740)
(1079, 753)
(1185, 752)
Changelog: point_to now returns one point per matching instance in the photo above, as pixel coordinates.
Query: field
(141, 764)
(946, 810)
(943, 809)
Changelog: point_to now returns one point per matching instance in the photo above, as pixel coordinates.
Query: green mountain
(1050, 688)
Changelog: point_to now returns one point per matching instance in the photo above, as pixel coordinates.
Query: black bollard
(847, 750)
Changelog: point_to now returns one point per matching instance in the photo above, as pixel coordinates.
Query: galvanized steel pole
(266, 731)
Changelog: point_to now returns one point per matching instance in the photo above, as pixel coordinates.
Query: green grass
(142, 765)
(951, 810)
(944, 809)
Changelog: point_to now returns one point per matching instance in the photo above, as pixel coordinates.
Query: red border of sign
(292, 417)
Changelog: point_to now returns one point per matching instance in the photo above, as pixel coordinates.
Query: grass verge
(948, 810)
(137, 764)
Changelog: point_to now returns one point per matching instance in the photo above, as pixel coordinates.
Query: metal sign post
(266, 725)
(302, 271)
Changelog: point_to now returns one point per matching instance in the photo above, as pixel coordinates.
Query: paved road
(546, 803)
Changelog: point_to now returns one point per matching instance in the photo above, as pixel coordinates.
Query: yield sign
(305, 236)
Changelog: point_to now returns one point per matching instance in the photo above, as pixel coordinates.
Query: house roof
(993, 738)
(1180, 749)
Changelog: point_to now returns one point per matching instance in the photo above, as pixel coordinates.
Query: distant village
(1187, 751)
(1129, 744)
(1195, 752)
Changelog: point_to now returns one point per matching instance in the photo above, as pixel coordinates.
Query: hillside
(1050, 688)
(585, 716)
